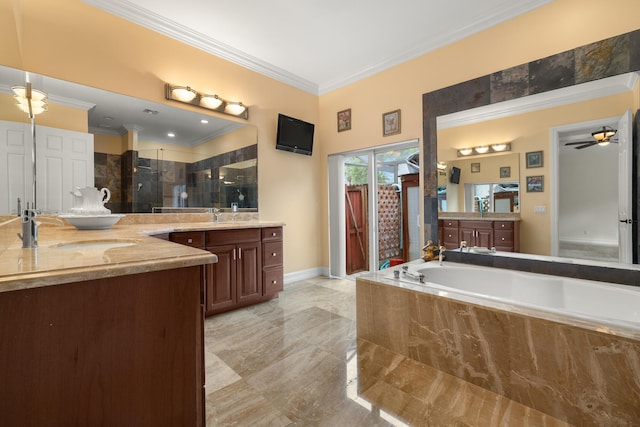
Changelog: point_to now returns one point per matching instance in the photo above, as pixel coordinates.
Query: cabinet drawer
(272, 280)
(503, 237)
(272, 254)
(476, 224)
(189, 238)
(449, 223)
(271, 234)
(503, 225)
(450, 235)
(226, 237)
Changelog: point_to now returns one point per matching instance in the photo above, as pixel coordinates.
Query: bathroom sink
(96, 244)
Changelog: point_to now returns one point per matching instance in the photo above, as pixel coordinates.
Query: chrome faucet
(216, 213)
(419, 277)
(29, 234)
(463, 244)
(441, 254)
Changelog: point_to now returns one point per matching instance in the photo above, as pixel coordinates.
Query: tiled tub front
(581, 376)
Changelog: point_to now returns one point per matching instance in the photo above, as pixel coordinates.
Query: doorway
(591, 179)
(365, 207)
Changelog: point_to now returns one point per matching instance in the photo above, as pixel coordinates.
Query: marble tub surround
(188, 218)
(580, 376)
(426, 396)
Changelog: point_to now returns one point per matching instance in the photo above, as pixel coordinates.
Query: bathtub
(568, 348)
(590, 303)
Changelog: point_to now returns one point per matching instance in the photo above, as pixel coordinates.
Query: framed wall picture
(475, 167)
(344, 120)
(505, 172)
(391, 123)
(535, 184)
(534, 159)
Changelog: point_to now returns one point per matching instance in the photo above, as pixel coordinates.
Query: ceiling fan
(601, 137)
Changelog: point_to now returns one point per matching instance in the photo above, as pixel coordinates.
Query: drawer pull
(502, 225)
(503, 239)
(189, 240)
(273, 234)
(273, 282)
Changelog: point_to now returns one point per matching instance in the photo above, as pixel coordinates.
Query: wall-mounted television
(294, 135)
(455, 175)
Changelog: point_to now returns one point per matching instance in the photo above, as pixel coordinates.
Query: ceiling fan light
(604, 143)
(604, 134)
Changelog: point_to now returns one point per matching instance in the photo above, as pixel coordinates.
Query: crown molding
(155, 22)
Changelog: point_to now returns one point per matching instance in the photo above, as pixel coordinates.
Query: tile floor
(290, 361)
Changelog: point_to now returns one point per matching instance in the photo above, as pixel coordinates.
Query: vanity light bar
(484, 149)
(188, 95)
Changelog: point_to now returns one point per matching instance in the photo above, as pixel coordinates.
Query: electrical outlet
(539, 209)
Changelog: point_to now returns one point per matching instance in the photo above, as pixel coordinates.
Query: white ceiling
(317, 45)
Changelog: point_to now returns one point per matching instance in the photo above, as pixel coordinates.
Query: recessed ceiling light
(171, 134)
(204, 121)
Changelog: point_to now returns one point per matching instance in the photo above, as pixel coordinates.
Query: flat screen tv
(294, 135)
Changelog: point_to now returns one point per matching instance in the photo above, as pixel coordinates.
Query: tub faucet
(419, 277)
(463, 244)
(441, 255)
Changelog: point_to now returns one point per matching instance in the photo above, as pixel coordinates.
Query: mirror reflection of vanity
(538, 210)
(144, 168)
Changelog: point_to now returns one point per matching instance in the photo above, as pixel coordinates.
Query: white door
(625, 207)
(64, 161)
(15, 165)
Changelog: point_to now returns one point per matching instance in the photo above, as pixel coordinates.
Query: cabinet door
(468, 235)
(484, 238)
(248, 276)
(221, 279)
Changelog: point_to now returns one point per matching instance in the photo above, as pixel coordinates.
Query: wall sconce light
(484, 149)
(188, 95)
(29, 100)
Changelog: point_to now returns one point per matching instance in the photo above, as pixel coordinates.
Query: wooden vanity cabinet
(477, 233)
(235, 280)
(249, 268)
(503, 235)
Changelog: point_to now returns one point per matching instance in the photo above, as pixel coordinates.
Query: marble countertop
(62, 257)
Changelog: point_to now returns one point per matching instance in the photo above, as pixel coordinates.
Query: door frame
(337, 220)
(554, 138)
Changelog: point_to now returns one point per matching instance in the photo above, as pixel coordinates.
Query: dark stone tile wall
(606, 58)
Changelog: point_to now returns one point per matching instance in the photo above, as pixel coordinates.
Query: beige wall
(69, 40)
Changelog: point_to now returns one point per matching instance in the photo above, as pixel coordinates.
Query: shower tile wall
(107, 171)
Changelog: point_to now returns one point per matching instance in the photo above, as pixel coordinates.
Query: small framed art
(391, 123)
(475, 167)
(535, 184)
(534, 159)
(344, 120)
(505, 172)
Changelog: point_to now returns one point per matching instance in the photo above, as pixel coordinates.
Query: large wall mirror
(149, 155)
(568, 193)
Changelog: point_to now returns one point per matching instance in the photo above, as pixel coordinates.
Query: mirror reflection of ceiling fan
(601, 137)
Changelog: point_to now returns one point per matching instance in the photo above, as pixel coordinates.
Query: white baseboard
(306, 274)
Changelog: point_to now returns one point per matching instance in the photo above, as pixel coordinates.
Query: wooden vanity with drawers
(249, 268)
(502, 234)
